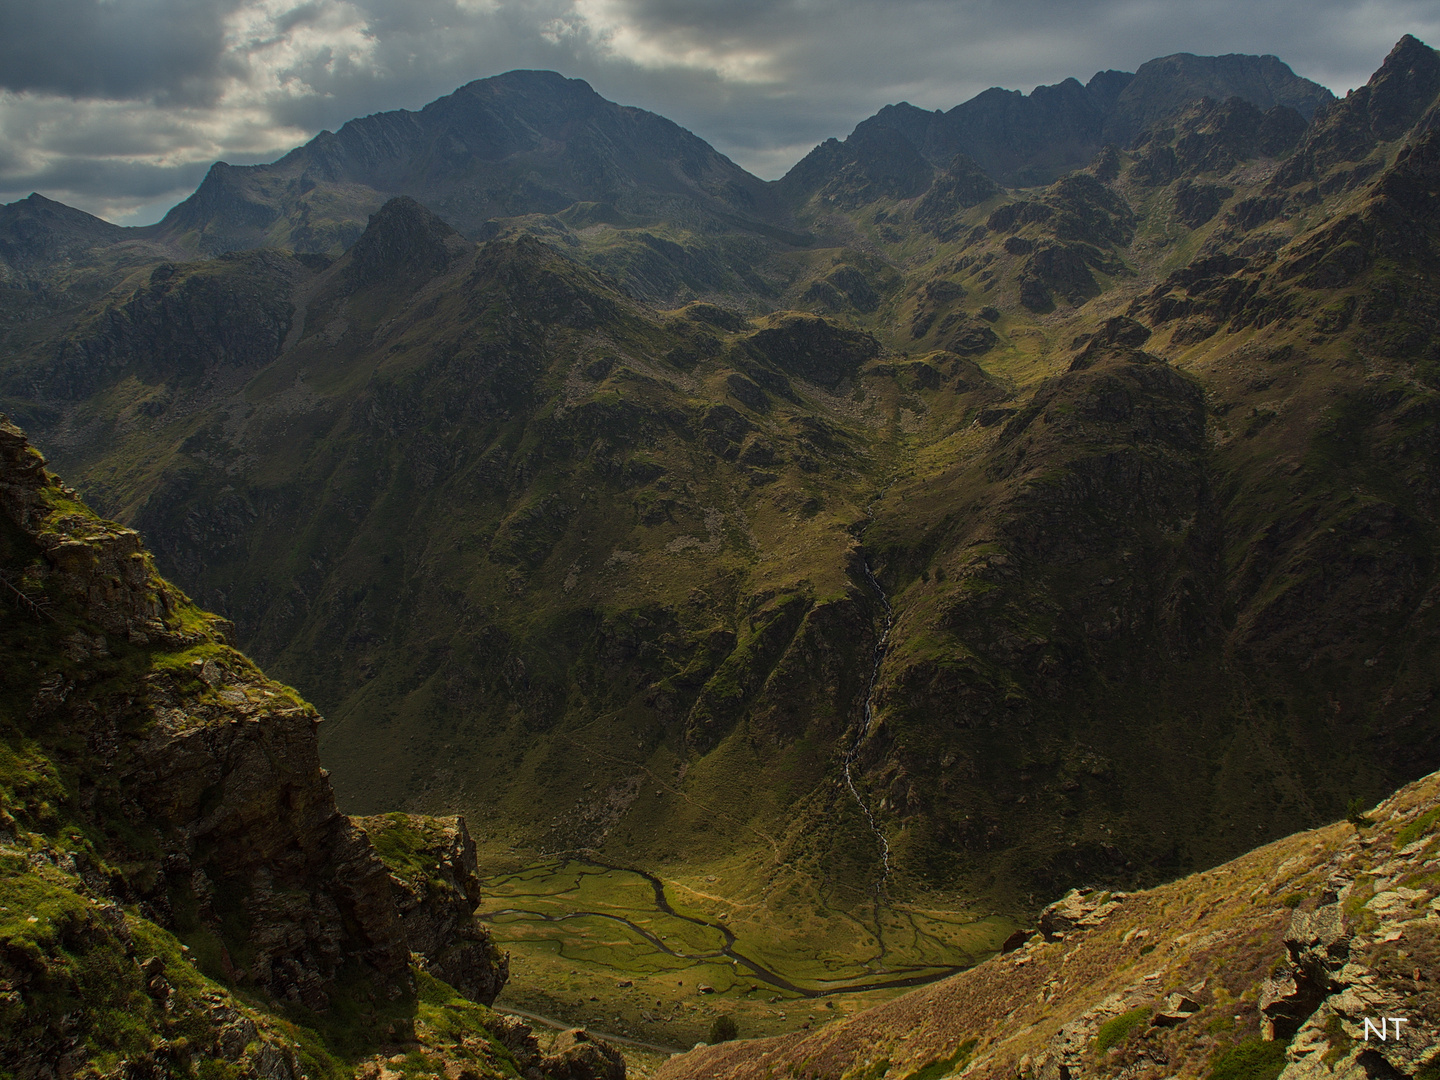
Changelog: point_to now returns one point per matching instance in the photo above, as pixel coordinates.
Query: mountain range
(1035, 494)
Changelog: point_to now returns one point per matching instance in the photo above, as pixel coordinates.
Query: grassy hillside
(1271, 962)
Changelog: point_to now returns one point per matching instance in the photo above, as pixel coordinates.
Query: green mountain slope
(1130, 473)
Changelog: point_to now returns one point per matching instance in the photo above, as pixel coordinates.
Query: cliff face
(433, 875)
(167, 833)
(216, 763)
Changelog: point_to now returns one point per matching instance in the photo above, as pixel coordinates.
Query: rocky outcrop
(576, 1055)
(875, 162)
(221, 762)
(1214, 137)
(813, 349)
(432, 868)
(403, 241)
(198, 783)
(1393, 100)
(959, 186)
(179, 326)
(1077, 911)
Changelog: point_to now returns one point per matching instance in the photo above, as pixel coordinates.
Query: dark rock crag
(197, 784)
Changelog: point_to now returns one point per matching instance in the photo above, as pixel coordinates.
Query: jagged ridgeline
(177, 889)
(576, 475)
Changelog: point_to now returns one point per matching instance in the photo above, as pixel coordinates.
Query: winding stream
(920, 975)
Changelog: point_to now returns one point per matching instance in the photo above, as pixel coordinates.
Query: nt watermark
(1384, 1027)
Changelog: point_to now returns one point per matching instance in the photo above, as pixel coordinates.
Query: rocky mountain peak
(1387, 106)
(1404, 86)
(1168, 83)
(530, 83)
(1031, 139)
(35, 230)
(402, 240)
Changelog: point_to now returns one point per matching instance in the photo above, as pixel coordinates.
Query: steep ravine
(867, 717)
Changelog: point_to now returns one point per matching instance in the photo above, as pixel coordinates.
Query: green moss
(1417, 828)
(400, 845)
(1114, 1030)
(1253, 1059)
(945, 1066)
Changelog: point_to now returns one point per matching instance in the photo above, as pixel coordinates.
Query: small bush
(1253, 1059)
(1355, 814)
(723, 1029)
(1116, 1028)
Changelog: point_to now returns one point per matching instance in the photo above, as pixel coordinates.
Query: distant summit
(1023, 140)
(526, 142)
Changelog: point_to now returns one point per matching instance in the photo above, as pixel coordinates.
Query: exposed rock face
(961, 185)
(523, 142)
(1026, 139)
(200, 781)
(432, 869)
(813, 349)
(576, 1055)
(876, 162)
(1169, 83)
(37, 231)
(403, 240)
(230, 775)
(1214, 137)
(1079, 910)
(1393, 100)
(181, 325)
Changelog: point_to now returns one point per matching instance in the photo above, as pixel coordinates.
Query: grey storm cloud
(114, 49)
(118, 105)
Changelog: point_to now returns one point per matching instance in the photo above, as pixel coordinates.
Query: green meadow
(594, 944)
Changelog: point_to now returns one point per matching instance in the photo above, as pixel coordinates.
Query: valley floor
(629, 954)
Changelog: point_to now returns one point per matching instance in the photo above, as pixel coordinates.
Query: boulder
(578, 1055)
(1077, 910)
(1175, 1010)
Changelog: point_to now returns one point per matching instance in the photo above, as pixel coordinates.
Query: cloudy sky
(119, 106)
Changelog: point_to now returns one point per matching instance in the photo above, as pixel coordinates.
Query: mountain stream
(866, 719)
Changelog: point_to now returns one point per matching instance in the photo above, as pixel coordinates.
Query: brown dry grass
(1215, 934)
